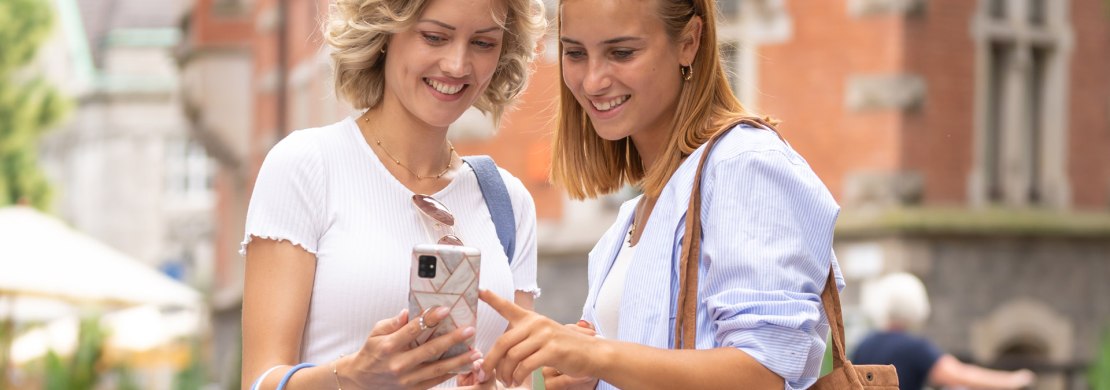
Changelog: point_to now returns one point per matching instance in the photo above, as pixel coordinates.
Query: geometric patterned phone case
(451, 281)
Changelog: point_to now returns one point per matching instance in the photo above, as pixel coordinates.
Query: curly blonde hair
(358, 30)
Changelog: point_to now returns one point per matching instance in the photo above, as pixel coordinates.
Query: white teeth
(444, 88)
(609, 105)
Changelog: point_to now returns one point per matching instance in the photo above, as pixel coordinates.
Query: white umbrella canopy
(42, 257)
(34, 309)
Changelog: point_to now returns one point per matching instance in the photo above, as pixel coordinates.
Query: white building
(123, 166)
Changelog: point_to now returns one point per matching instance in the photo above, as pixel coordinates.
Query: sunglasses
(439, 217)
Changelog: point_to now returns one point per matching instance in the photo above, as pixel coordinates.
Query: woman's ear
(691, 40)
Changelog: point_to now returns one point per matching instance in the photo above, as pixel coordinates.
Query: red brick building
(933, 89)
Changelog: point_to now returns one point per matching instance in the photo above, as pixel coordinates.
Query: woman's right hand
(387, 361)
(555, 380)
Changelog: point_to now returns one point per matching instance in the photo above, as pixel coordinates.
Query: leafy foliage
(28, 104)
(81, 370)
(193, 376)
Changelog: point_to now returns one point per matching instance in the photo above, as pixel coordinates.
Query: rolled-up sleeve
(767, 247)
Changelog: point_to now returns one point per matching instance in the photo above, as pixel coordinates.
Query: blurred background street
(967, 141)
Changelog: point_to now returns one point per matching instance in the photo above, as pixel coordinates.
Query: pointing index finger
(507, 309)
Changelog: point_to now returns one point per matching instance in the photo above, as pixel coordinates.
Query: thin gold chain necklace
(637, 214)
(450, 155)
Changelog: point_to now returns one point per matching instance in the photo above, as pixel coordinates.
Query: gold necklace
(637, 214)
(450, 154)
(632, 232)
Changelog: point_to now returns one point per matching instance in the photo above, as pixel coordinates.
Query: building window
(730, 56)
(728, 41)
(997, 9)
(1037, 12)
(231, 8)
(731, 40)
(743, 26)
(999, 53)
(730, 9)
(189, 176)
(1020, 152)
(1034, 132)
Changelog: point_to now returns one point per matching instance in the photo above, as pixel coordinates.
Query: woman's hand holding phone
(388, 360)
(428, 343)
(445, 276)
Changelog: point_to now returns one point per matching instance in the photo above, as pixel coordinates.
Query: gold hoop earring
(687, 72)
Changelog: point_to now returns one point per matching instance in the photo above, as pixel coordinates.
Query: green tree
(28, 104)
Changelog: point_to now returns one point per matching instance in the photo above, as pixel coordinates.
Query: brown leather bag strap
(831, 299)
(685, 321)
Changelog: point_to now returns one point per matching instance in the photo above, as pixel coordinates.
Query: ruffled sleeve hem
(534, 290)
(250, 237)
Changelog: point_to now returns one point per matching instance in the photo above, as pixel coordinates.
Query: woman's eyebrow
(452, 28)
(607, 41)
(621, 39)
(570, 41)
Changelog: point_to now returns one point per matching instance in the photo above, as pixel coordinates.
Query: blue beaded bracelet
(284, 379)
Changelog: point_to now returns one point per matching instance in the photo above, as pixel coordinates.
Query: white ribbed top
(325, 190)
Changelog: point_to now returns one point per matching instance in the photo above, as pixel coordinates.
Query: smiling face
(439, 67)
(622, 67)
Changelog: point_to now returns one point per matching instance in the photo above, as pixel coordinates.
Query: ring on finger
(423, 325)
(420, 321)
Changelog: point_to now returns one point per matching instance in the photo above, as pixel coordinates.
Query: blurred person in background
(899, 305)
(644, 90)
(331, 222)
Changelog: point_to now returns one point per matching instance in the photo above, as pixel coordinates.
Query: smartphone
(447, 276)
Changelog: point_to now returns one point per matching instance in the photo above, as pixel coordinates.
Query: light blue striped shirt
(767, 225)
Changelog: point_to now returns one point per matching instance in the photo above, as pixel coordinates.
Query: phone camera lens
(426, 267)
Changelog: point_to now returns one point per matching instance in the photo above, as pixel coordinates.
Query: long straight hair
(587, 165)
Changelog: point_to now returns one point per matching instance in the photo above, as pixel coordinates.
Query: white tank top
(612, 290)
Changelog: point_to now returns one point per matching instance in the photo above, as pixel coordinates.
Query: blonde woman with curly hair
(331, 222)
(644, 91)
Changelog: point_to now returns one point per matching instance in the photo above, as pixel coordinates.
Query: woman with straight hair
(643, 92)
(336, 210)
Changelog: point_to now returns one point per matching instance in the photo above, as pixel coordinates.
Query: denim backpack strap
(497, 200)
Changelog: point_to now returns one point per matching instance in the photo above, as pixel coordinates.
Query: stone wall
(981, 288)
(1036, 301)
